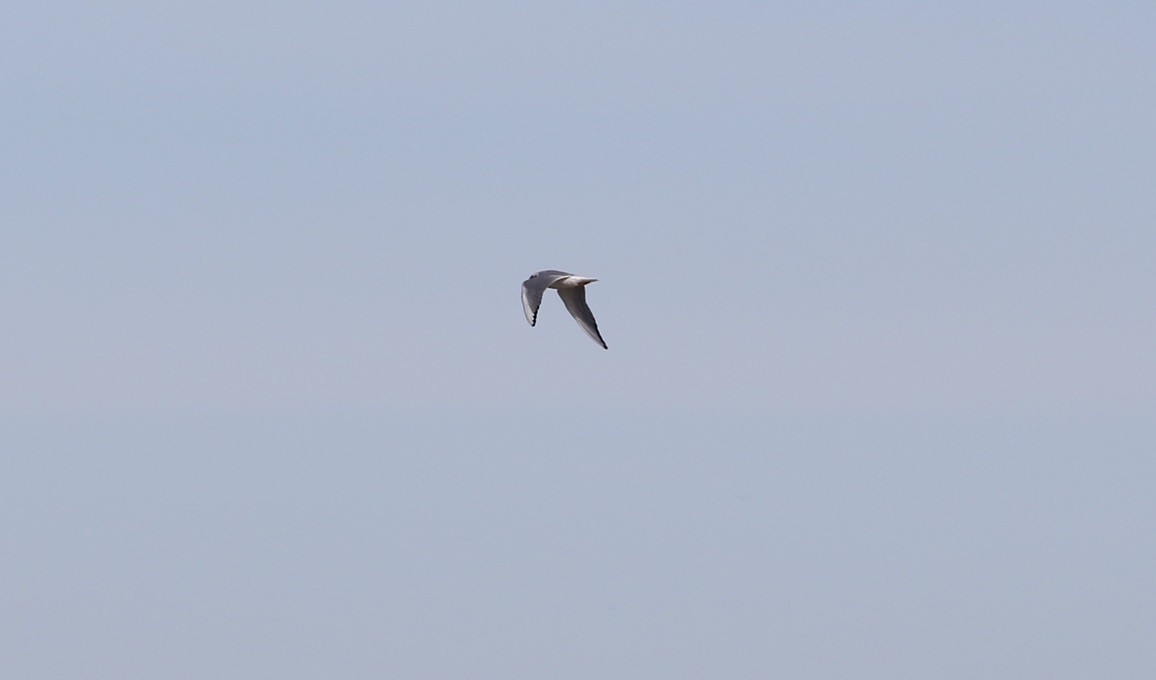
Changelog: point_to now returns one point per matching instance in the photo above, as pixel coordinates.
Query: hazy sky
(878, 285)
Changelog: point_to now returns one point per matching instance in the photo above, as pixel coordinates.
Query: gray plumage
(572, 290)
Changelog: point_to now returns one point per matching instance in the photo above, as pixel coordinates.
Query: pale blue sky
(877, 283)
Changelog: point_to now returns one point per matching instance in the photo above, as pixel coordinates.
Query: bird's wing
(532, 289)
(575, 300)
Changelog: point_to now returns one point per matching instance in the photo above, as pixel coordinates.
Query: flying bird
(572, 290)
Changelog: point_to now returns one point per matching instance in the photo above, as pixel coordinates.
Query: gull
(572, 290)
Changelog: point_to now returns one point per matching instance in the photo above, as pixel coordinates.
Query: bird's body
(572, 290)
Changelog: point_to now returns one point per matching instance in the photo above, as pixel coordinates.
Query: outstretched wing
(575, 300)
(532, 289)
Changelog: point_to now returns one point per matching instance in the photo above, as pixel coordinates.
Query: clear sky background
(878, 284)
